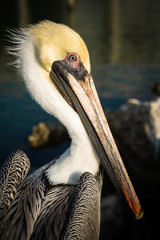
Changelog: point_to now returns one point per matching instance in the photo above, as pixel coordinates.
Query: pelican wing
(12, 173)
(70, 211)
(54, 213)
(84, 221)
(19, 221)
(43, 211)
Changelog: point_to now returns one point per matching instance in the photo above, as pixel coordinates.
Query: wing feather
(44, 212)
(24, 210)
(70, 211)
(12, 173)
(84, 221)
(54, 212)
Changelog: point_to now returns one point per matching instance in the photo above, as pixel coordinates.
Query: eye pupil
(72, 58)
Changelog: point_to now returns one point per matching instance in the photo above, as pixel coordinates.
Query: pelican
(61, 200)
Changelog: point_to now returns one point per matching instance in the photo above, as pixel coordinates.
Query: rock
(47, 135)
(137, 125)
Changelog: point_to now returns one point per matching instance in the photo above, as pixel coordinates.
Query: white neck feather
(81, 156)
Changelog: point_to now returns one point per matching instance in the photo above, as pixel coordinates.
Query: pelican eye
(72, 58)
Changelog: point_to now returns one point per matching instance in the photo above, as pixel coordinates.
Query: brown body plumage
(41, 211)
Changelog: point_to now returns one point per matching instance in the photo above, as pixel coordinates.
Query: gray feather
(84, 221)
(41, 211)
(54, 213)
(12, 173)
(24, 210)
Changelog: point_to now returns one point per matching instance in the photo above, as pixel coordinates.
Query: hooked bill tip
(140, 214)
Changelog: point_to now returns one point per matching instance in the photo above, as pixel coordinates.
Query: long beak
(82, 96)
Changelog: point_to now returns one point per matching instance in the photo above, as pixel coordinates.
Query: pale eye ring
(72, 58)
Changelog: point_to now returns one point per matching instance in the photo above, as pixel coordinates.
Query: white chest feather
(73, 163)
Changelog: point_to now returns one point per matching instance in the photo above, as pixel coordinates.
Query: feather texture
(84, 219)
(54, 213)
(19, 221)
(13, 172)
(44, 212)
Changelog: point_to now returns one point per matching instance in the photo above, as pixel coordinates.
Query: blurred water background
(123, 38)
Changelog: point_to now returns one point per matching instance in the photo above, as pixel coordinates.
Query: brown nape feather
(12, 173)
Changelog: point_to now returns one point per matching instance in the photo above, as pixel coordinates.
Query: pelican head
(54, 63)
